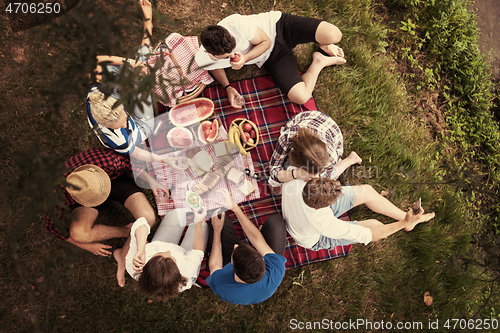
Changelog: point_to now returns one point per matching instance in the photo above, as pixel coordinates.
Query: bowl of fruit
(244, 133)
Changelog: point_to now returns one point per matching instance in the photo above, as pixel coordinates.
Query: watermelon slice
(208, 131)
(191, 112)
(180, 137)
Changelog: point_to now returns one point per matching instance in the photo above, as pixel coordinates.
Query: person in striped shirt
(111, 123)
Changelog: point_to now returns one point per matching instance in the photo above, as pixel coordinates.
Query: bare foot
(332, 50)
(120, 271)
(425, 218)
(354, 158)
(147, 10)
(325, 61)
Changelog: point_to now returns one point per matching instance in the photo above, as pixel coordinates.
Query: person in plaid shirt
(313, 142)
(83, 232)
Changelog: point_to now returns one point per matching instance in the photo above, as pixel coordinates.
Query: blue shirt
(228, 289)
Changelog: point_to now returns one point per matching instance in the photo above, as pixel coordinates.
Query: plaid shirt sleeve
(281, 153)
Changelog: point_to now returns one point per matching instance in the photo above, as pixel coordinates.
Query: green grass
(371, 99)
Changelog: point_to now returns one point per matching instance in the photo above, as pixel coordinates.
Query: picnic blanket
(267, 107)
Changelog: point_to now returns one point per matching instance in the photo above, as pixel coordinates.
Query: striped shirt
(123, 140)
(323, 126)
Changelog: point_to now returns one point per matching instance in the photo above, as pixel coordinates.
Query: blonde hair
(102, 109)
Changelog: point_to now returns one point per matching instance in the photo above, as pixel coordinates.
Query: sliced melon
(180, 137)
(191, 112)
(208, 131)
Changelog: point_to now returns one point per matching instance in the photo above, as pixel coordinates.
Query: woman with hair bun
(312, 142)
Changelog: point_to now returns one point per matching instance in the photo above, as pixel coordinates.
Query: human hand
(218, 223)
(177, 163)
(200, 216)
(96, 248)
(139, 261)
(236, 65)
(160, 192)
(235, 98)
(411, 218)
(228, 201)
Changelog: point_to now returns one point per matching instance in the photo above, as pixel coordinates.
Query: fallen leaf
(150, 301)
(428, 299)
(62, 317)
(40, 279)
(384, 193)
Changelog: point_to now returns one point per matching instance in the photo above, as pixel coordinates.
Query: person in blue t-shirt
(239, 273)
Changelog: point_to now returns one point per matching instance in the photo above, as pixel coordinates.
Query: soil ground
(488, 12)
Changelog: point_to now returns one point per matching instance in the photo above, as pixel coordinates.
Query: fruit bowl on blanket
(244, 131)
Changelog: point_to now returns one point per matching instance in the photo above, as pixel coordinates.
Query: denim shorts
(343, 204)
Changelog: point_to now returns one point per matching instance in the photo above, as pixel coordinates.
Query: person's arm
(215, 261)
(232, 93)
(261, 42)
(154, 185)
(198, 243)
(113, 60)
(253, 234)
(144, 155)
(141, 236)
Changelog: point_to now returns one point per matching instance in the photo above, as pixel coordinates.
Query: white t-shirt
(189, 262)
(243, 28)
(306, 224)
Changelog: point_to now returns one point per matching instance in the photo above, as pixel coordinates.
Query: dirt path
(488, 12)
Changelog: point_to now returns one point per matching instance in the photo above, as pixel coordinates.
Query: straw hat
(89, 185)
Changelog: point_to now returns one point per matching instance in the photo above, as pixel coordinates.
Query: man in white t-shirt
(267, 40)
(311, 212)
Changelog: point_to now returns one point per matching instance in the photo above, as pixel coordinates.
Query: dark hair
(161, 278)
(217, 40)
(321, 192)
(248, 264)
(309, 151)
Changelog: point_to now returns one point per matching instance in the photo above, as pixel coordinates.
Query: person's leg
(302, 91)
(83, 229)
(274, 232)
(147, 11)
(327, 35)
(298, 30)
(365, 194)
(139, 206)
(171, 227)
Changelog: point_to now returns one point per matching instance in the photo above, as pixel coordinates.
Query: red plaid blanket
(269, 109)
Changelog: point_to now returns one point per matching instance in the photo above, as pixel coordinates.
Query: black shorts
(291, 30)
(122, 188)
